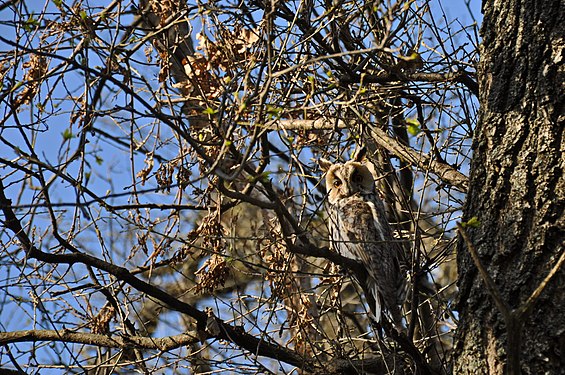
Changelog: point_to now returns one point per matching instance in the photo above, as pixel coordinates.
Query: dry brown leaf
(144, 173)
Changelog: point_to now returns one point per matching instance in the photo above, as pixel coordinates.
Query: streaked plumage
(359, 230)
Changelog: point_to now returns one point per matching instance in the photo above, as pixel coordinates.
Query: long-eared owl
(359, 230)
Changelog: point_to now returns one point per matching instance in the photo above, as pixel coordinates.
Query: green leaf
(83, 15)
(264, 176)
(274, 111)
(473, 222)
(209, 111)
(58, 3)
(414, 56)
(67, 134)
(413, 126)
(99, 160)
(31, 22)
(17, 85)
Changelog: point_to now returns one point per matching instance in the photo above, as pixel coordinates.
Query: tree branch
(122, 342)
(462, 77)
(444, 171)
(526, 307)
(489, 283)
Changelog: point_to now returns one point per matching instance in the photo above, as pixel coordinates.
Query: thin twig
(489, 283)
(524, 309)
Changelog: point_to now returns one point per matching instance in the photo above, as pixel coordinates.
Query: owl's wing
(360, 232)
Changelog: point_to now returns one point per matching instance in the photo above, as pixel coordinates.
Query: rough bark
(517, 191)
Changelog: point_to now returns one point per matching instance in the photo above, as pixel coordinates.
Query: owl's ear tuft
(324, 164)
(360, 156)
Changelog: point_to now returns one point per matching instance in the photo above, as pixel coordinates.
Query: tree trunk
(517, 192)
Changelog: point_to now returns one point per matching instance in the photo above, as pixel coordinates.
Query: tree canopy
(162, 205)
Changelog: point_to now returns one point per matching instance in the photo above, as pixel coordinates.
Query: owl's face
(344, 180)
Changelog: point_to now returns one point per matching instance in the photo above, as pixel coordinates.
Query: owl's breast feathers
(359, 225)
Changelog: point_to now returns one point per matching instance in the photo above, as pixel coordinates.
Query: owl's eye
(337, 183)
(357, 178)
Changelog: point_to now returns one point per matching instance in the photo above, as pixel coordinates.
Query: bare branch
(122, 342)
(524, 309)
(445, 172)
(489, 283)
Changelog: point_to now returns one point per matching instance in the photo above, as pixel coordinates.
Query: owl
(360, 231)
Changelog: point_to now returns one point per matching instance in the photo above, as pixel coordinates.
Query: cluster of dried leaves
(215, 270)
(36, 68)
